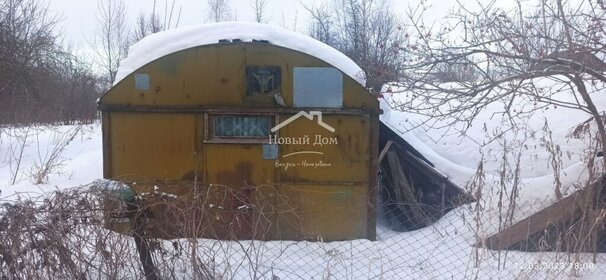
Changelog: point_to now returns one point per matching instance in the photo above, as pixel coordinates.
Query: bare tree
(366, 31)
(145, 25)
(26, 39)
(112, 39)
(218, 11)
(40, 81)
(322, 26)
(153, 23)
(259, 7)
(507, 51)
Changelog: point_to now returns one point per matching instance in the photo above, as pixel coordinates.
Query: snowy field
(43, 159)
(39, 160)
(516, 157)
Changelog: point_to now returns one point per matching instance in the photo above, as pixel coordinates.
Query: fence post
(138, 226)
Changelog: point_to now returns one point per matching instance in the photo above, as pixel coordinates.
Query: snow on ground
(163, 43)
(442, 251)
(80, 162)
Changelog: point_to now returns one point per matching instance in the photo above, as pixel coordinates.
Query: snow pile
(498, 143)
(163, 43)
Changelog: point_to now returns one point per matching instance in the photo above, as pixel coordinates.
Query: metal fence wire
(64, 235)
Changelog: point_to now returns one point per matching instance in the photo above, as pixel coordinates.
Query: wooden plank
(107, 145)
(384, 151)
(422, 166)
(145, 256)
(567, 208)
(404, 191)
(373, 146)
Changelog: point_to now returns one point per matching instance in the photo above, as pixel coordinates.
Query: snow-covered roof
(491, 134)
(163, 43)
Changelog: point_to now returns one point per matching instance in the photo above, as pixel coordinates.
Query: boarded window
(317, 87)
(263, 80)
(242, 126)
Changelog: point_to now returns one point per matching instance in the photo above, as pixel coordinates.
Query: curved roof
(163, 43)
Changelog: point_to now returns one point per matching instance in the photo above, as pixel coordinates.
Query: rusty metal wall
(321, 188)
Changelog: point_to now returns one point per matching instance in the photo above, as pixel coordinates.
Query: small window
(241, 126)
(263, 80)
(320, 87)
(142, 81)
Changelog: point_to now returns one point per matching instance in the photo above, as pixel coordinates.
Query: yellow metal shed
(277, 142)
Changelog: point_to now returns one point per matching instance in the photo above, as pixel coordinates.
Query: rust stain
(236, 222)
(191, 176)
(240, 175)
(292, 176)
(176, 118)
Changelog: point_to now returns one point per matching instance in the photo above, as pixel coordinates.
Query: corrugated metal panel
(317, 87)
(166, 136)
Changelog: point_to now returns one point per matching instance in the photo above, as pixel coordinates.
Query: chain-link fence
(63, 235)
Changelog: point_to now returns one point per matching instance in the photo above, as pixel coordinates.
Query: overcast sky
(78, 17)
(78, 24)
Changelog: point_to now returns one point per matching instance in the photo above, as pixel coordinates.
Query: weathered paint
(152, 146)
(214, 76)
(162, 137)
